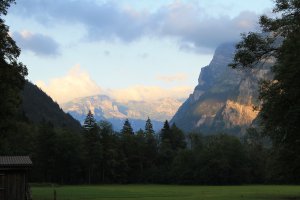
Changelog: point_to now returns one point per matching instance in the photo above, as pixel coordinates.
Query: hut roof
(15, 161)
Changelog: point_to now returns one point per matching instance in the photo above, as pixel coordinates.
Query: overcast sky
(129, 49)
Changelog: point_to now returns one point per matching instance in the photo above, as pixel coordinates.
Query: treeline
(100, 155)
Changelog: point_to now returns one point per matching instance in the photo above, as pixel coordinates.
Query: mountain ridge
(105, 108)
(38, 107)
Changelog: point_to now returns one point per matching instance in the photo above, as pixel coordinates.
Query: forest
(98, 154)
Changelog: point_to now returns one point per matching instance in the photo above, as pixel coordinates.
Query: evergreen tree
(165, 133)
(127, 129)
(69, 157)
(12, 76)
(150, 148)
(129, 148)
(92, 146)
(110, 159)
(89, 121)
(150, 157)
(140, 133)
(106, 127)
(46, 152)
(149, 127)
(166, 153)
(93, 153)
(140, 157)
(280, 109)
(177, 138)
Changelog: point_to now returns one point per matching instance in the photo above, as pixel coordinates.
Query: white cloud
(173, 78)
(77, 83)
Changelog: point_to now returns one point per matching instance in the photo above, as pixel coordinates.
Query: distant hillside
(104, 107)
(224, 98)
(38, 106)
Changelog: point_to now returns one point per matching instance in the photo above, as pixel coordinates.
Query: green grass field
(167, 192)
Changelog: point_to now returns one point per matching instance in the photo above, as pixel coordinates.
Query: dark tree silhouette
(127, 129)
(12, 77)
(280, 109)
(89, 121)
(149, 127)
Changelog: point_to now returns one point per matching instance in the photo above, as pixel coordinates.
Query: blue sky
(128, 49)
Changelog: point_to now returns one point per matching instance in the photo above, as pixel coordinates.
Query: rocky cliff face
(224, 98)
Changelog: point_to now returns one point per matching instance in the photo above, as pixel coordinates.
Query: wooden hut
(14, 177)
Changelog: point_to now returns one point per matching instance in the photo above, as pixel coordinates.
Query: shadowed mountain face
(38, 106)
(105, 108)
(224, 98)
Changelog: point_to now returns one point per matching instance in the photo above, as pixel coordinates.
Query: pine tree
(92, 147)
(127, 129)
(177, 138)
(150, 149)
(166, 153)
(129, 148)
(89, 121)
(46, 151)
(165, 131)
(149, 127)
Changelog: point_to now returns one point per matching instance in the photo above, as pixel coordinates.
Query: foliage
(12, 76)
(149, 127)
(5, 4)
(177, 138)
(100, 155)
(127, 129)
(92, 147)
(89, 122)
(46, 152)
(165, 131)
(280, 109)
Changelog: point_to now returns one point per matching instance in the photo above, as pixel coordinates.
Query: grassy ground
(167, 192)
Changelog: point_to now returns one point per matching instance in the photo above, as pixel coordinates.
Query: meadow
(167, 192)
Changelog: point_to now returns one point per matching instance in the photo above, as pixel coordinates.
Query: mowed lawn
(167, 192)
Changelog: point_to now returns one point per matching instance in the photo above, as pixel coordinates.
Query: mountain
(224, 98)
(38, 106)
(105, 108)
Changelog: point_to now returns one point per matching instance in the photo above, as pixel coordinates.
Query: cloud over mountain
(78, 83)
